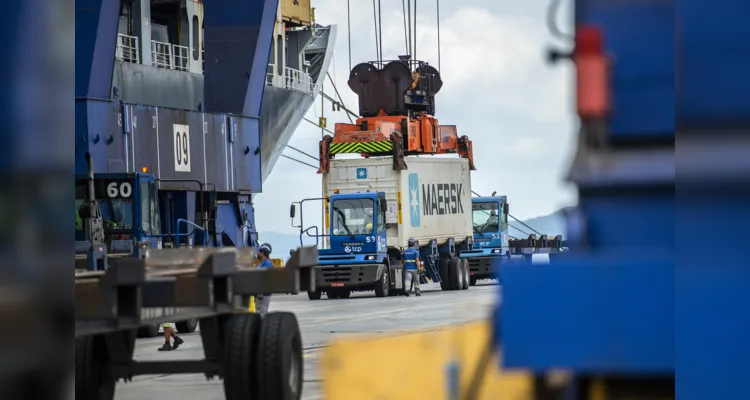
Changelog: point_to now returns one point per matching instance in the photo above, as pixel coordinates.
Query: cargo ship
(160, 62)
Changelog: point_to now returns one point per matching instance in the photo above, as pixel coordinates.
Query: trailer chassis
(211, 285)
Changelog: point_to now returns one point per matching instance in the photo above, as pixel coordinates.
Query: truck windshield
(117, 211)
(487, 217)
(352, 217)
(150, 221)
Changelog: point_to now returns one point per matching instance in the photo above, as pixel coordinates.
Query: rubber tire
(148, 331)
(383, 285)
(91, 380)
(332, 294)
(455, 274)
(345, 294)
(444, 269)
(279, 351)
(188, 326)
(314, 295)
(241, 331)
(467, 273)
(473, 281)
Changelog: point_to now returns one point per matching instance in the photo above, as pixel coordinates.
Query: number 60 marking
(124, 190)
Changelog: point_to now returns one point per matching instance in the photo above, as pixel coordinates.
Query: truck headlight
(371, 258)
(494, 251)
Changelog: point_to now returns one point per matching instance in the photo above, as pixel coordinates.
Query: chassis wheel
(241, 338)
(344, 293)
(473, 281)
(444, 269)
(188, 326)
(467, 274)
(332, 294)
(280, 355)
(91, 380)
(383, 285)
(314, 295)
(456, 274)
(148, 331)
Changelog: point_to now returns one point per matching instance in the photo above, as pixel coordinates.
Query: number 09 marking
(119, 190)
(181, 148)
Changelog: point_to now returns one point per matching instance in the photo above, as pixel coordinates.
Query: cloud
(497, 90)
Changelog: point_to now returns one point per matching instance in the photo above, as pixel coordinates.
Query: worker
(262, 301)
(492, 223)
(412, 268)
(170, 332)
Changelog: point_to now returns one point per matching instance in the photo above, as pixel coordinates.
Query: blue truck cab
(358, 256)
(490, 220)
(129, 207)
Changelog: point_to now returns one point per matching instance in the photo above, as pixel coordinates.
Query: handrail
(177, 233)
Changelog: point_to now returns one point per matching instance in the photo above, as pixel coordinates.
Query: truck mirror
(383, 206)
(506, 209)
(292, 211)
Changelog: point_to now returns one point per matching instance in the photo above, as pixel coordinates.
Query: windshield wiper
(343, 222)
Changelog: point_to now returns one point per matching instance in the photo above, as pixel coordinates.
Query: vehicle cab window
(486, 217)
(381, 218)
(352, 217)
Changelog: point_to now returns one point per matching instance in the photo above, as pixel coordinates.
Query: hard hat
(368, 225)
(265, 248)
(412, 242)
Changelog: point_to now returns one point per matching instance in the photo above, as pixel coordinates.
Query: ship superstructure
(161, 61)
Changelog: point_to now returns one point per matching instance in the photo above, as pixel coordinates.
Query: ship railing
(181, 57)
(127, 48)
(170, 56)
(161, 54)
(292, 79)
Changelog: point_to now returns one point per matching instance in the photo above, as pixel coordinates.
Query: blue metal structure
(206, 159)
(607, 309)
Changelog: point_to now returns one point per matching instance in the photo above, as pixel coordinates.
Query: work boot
(177, 342)
(406, 293)
(165, 347)
(419, 294)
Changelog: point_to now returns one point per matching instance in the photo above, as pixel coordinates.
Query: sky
(497, 89)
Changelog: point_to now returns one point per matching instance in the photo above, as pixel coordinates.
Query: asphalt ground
(320, 321)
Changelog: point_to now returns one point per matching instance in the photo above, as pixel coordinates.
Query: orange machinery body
(397, 107)
(424, 135)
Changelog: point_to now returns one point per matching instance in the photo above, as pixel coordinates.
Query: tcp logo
(414, 210)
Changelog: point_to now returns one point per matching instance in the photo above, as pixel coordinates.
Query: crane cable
(375, 23)
(349, 32)
(299, 161)
(406, 36)
(438, 32)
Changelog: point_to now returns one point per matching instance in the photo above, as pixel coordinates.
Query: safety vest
(79, 222)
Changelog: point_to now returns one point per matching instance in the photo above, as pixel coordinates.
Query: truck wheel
(242, 331)
(383, 285)
(456, 274)
(445, 273)
(473, 281)
(91, 379)
(314, 295)
(332, 294)
(148, 331)
(467, 275)
(280, 355)
(345, 294)
(188, 326)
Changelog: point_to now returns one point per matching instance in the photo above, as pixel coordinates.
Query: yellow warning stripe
(361, 147)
